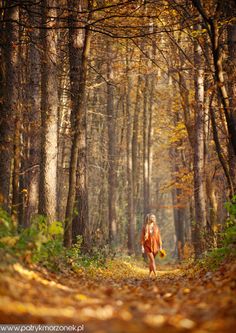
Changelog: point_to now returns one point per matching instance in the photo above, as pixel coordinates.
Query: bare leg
(152, 264)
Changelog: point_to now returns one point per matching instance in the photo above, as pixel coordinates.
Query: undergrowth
(42, 243)
(226, 249)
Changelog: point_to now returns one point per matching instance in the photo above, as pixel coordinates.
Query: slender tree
(78, 148)
(198, 163)
(49, 112)
(112, 150)
(33, 114)
(130, 192)
(9, 92)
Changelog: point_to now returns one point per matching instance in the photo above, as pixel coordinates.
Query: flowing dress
(153, 242)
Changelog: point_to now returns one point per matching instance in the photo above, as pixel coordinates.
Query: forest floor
(121, 298)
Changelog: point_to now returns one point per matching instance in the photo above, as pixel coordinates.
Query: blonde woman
(151, 241)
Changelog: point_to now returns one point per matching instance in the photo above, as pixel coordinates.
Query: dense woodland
(112, 109)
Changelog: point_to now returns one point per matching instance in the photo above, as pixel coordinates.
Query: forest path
(121, 299)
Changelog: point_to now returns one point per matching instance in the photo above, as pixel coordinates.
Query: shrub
(6, 225)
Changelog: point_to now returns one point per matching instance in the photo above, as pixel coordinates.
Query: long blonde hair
(148, 218)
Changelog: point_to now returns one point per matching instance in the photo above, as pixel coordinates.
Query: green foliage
(227, 240)
(55, 228)
(229, 235)
(50, 254)
(95, 257)
(98, 256)
(228, 248)
(42, 240)
(42, 243)
(39, 233)
(231, 209)
(73, 253)
(6, 225)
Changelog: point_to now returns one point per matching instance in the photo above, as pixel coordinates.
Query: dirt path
(121, 300)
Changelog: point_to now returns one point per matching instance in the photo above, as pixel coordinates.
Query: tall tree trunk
(218, 147)
(15, 208)
(78, 148)
(146, 203)
(135, 133)
(76, 45)
(112, 151)
(198, 163)
(178, 210)
(213, 207)
(232, 89)
(130, 193)
(218, 59)
(49, 113)
(212, 25)
(229, 114)
(16, 166)
(8, 106)
(150, 137)
(34, 117)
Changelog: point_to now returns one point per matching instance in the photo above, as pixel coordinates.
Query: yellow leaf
(9, 240)
(81, 297)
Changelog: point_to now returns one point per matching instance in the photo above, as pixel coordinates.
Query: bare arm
(160, 239)
(159, 236)
(142, 236)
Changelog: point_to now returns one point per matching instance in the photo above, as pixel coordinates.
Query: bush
(6, 225)
(227, 249)
(95, 257)
(227, 240)
(42, 243)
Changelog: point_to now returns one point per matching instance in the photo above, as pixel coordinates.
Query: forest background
(110, 110)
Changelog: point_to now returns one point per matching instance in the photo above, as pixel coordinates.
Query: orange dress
(153, 242)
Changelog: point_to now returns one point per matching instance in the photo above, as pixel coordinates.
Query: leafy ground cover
(121, 298)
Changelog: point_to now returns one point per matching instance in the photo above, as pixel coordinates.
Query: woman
(151, 241)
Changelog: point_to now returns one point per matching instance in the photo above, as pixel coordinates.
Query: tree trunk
(212, 25)
(130, 193)
(198, 163)
(76, 45)
(213, 208)
(112, 151)
(150, 138)
(146, 204)
(49, 114)
(15, 208)
(34, 118)
(219, 151)
(135, 161)
(178, 210)
(78, 149)
(16, 167)
(232, 90)
(9, 93)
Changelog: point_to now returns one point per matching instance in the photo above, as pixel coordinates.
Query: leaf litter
(121, 298)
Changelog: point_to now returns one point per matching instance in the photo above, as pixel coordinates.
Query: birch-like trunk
(49, 113)
(198, 163)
